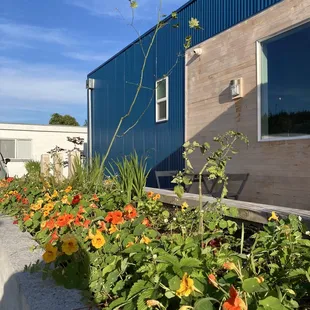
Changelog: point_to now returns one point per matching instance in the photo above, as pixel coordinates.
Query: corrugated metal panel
(116, 79)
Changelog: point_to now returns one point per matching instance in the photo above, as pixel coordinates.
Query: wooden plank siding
(279, 171)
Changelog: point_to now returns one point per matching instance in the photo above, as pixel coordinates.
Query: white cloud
(24, 32)
(47, 84)
(113, 8)
(86, 56)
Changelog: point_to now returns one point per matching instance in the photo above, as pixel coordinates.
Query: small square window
(23, 149)
(162, 100)
(7, 148)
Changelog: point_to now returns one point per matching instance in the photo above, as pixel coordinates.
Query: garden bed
(23, 290)
(125, 250)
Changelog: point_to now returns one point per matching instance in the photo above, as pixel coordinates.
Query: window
(162, 100)
(284, 85)
(15, 148)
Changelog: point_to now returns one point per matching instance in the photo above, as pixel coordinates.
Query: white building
(23, 142)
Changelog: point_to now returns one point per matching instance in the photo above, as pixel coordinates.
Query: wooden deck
(249, 211)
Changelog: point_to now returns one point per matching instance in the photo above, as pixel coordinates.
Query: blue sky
(48, 47)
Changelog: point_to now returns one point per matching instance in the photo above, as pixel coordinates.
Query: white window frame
(259, 51)
(15, 148)
(157, 101)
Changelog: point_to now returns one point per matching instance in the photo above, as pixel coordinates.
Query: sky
(48, 47)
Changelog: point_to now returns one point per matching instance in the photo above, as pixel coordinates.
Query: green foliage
(88, 177)
(132, 175)
(58, 119)
(33, 167)
(154, 256)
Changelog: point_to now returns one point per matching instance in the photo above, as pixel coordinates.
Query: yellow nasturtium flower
(145, 240)
(273, 216)
(186, 286)
(68, 189)
(50, 253)
(113, 229)
(55, 194)
(69, 245)
(98, 240)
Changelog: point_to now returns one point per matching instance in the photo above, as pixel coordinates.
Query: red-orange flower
(76, 199)
(18, 197)
(50, 224)
(146, 222)
(64, 220)
(25, 201)
(86, 223)
(150, 194)
(26, 217)
(130, 211)
(115, 217)
(9, 180)
(234, 302)
(95, 198)
(81, 209)
(54, 237)
(102, 226)
(212, 280)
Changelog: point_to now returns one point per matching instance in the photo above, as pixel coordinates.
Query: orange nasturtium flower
(212, 280)
(97, 240)
(273, 216)
(54, 237)
(156, 197)
(26, 217)
(146, 222)
(115, 217)
(69, 245)
(129, 244)
(50, 253)
(95, 198)
(229, 266)
(50, 224)
(150, 194)
(186, 286)
(102, 226)
(234, 302)
(130, 211)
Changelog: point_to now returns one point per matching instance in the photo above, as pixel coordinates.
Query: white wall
(43, 139)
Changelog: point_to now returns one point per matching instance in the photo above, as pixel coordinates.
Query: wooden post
(45, 164)
(58, 166)
(74, 159)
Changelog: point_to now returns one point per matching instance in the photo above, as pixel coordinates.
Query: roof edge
(139, 38)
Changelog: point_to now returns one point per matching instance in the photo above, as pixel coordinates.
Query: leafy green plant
(33, 167)
(88, 177)
(132, 175)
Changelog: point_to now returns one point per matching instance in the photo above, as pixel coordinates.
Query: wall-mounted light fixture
(197, 51)
(90, 84)
(236, 88)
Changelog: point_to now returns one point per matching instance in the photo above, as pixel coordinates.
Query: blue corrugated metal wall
(115, 81)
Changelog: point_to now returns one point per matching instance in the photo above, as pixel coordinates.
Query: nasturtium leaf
(252, 285)
(271, 303)
(203, 304)
(138, 231)
(174, 283)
